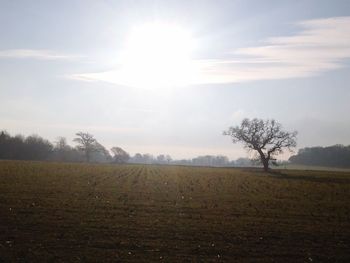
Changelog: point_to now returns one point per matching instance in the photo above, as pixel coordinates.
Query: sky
(170, 76)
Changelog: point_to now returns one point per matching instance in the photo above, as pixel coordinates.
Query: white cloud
(320, 45)
(40, 54)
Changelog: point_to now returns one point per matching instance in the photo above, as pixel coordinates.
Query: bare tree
(61, 150)
(86, 143)
(120, 156)
(264, 136)
(61, 143)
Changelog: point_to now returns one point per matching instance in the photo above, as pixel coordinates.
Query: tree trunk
(264, 160)
(266, 164)
(87, 155)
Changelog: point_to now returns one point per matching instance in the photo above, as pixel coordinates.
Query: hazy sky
(68, 66)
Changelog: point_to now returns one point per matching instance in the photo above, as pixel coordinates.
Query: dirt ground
(51, 212)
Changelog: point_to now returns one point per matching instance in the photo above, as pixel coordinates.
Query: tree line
(88, 149)
(332, 156)
(264, 137)
(36, 148)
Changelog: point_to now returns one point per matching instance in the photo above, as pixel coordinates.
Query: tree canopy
(119, 155)
(19, 147)
(87, 144)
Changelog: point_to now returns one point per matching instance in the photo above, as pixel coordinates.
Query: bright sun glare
(157, 56)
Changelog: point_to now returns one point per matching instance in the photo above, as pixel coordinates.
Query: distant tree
(161, 158)
(147, 158)
(331, 156)
(63, 152)
(119, 155)
(210, 160)
(87, 144)
(221, 160)
(4, 136)
(137, 158)
(168, 158)
(5, 145)
(266, 137)
(19, 147)
(37, 148)
(244, 162)
(101, 154)
(61, 143)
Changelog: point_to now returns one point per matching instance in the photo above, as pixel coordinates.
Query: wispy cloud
(39, 54)
(319, 46)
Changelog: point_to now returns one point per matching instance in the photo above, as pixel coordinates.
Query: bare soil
(51, 212)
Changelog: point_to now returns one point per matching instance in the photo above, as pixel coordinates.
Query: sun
(157, 55)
